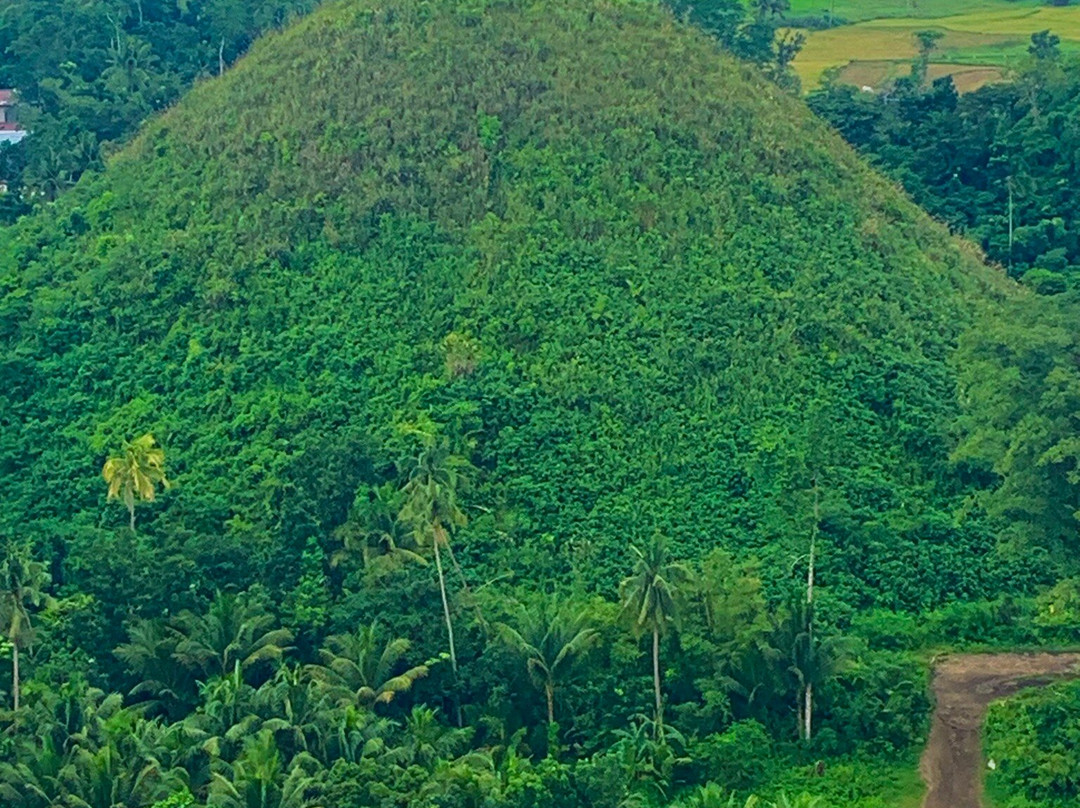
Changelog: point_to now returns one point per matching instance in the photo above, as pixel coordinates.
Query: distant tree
(550, 637)
(771, 8)
(812, 659)
(374, 532)
(721, 18)
(150, 653)
(1045, 46)
(652, 601)
(927, 42)
(135, 474)
(361, 667)
(262, 778)
(1020, 392)
(786, 48)
(23, 582)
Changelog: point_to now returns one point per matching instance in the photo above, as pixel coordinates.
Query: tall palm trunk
(15, 673)
(808, 710)
(445, 602)
(549, 691)
(656, 678)
(808, 694)
(438, 531)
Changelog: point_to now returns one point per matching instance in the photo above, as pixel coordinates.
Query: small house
(10, 130)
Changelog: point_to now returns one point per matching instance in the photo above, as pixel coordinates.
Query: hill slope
(640, 283)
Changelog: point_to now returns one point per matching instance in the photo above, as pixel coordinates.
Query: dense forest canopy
(88, 74)
(998, 164)
(504, 404)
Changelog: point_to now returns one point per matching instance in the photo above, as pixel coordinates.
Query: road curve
(964, 685)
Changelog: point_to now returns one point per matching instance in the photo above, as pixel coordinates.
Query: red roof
(7, 97)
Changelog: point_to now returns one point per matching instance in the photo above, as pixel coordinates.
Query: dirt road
(952, 765)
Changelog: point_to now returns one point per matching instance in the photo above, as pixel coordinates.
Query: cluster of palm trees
(220, 711)
(220, 716)
(23, 585)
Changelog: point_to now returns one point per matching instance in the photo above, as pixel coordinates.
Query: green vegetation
(861, 10)
(976, 32)
(89, 74)
(1032, 738)
(994, 164)
(429, 312)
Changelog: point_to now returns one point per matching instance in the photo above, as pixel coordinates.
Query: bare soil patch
(952, 764)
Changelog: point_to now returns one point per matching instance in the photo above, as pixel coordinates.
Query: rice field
(983, 38)
(862, 10)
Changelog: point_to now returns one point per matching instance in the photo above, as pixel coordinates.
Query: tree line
(227, 706)
(995, 164)
(88, 74)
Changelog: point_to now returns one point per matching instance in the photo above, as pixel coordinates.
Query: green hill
(640, 286)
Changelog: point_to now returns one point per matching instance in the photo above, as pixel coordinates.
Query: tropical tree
(260, 778)
(711, 795)
(427, 740)
(150, 654)
(295, 710)
(361, 668)
(812, 659)
(135, 474)
(551, 638)
(374, 532)
(235, 633)
(433, 480)
(121, 772)
(22, 588)
(652, 601)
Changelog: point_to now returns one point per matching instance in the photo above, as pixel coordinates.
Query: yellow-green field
(979, 45)
(861, 10)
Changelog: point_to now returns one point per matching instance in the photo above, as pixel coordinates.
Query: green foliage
(135, 474)
(88, 75)
(1033, 740)
(551, 637)
(362, 670)
(1021, 388)
(991, 163)
(557, 277)
(593, 390)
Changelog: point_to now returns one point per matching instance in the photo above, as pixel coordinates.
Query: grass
(873, 783)
(978, 33)
(862, 10)
(967, 77)
(1012, 21)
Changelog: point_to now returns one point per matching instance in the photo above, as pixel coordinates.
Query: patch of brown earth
(952, 765)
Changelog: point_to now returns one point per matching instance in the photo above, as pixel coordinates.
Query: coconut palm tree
(433, 480)
(812, 659)
(260, 778)
(235, 633)
(22, 587)
(293, 708)
(374, 533)
(135, 474)
(427, 740)
(550, 637)
(150, 653)
(361, 668)
(652, 601)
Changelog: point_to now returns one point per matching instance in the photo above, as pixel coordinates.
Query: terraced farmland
(982, 39)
